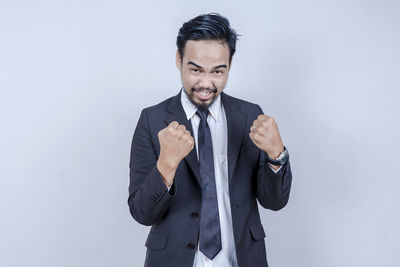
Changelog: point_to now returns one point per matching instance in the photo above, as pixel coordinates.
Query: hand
(265, 135)
(175, 144)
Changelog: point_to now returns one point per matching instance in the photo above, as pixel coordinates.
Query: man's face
(204, 70)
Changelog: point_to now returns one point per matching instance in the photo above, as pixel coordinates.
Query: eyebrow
(198, 66)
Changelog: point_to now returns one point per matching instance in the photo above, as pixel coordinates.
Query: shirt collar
(190, 109)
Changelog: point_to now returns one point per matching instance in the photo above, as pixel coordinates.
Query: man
(200, 160)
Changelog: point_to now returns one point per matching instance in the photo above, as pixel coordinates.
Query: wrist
(276, 153)
(167, 171)
(166, 162)
(279, 160)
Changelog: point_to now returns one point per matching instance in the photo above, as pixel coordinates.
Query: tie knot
(202, 113)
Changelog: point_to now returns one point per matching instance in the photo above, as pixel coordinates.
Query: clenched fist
(265, 135)
(175, 144)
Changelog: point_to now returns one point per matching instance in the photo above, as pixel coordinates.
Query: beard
(204, 104)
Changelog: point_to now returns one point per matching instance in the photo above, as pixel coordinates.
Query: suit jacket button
(191, 246)
(195, 214)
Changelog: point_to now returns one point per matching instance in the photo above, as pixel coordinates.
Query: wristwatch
(281, 160)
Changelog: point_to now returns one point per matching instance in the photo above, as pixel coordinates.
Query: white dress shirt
(219, 133)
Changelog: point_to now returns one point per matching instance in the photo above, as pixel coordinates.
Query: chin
(203, 104)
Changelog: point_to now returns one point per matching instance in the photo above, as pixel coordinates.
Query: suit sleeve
(149, 197)
(273, 189)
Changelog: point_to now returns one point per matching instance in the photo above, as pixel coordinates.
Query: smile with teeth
(203, 95)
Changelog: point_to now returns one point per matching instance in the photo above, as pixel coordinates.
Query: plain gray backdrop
(74, 76)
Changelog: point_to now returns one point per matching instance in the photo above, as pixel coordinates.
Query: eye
(217, 72)
(195, 70)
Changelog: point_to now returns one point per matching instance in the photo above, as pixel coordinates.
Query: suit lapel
(178, 114)
(236, 124)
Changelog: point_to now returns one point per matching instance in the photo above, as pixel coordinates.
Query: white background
(74, 76)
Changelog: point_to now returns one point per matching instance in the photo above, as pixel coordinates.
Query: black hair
(212, 26)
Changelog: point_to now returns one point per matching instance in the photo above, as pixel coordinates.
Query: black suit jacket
(174, 215)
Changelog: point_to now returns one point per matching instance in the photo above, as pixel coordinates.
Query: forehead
(206, 52)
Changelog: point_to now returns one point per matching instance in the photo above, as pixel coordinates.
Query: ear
(178, 60)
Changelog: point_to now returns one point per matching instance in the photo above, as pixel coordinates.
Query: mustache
(198, 89)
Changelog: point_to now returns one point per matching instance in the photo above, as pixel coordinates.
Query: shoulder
(243, 105)
(161, 107)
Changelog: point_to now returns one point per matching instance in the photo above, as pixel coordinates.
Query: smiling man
(202, 72)
(201, 160)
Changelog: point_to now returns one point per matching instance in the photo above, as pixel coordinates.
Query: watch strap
(281, 160)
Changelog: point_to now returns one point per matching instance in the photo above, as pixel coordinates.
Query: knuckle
(264, 117)
(162, 132)
(264, 123)
(170, 130)
(180, 129)
(173, 124)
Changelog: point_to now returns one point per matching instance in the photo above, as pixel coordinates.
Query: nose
(206, 82)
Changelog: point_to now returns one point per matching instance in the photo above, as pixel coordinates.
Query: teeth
(204, 93)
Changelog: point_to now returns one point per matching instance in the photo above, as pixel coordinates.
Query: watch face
(283, 158)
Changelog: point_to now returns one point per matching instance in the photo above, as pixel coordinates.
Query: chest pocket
(257, 231)
(156, 241)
